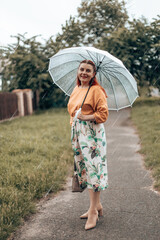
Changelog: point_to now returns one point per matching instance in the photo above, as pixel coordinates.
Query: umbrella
(112, 75)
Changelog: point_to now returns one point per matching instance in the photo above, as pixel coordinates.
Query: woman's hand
(83, 117)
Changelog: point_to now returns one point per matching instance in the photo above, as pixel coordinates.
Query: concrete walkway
(131, 207)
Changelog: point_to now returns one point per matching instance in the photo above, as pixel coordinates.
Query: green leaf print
(85, 159)
(99, 139)
(97, 154)
(92, 131)
(103, 143)
(98, 176)
(92, 175)
(90, 138)
(103, 158)
(82, 164)
(84, 123)
(76, 151)
(83, 144)
(84, 147)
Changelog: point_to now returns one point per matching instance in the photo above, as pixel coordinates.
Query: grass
(146, 116)
(35, 158)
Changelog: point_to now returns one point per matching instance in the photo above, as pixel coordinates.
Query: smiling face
(85, 73)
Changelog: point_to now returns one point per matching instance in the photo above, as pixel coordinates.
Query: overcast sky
(45, 17)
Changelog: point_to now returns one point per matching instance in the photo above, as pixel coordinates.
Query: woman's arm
(86, 117)
(101, 107)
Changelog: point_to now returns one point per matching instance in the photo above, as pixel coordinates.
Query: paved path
(131, 207)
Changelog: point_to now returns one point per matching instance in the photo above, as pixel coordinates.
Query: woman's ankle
(99, 206)
(92, 210)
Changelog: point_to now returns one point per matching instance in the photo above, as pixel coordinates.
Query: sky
(47, 17)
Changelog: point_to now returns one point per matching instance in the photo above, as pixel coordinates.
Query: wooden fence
(19, 102)
(8, 105)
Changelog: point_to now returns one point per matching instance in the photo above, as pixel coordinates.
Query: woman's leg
(92, 212)
(98, 204)
(94, 199)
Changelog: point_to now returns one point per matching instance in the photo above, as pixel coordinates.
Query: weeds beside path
(35, 157)
(146, 116)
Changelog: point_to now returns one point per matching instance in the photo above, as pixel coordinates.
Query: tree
(100, 18)
(72, 34)
(27, 68)
(154, 57)
(96, 19)
(137, 45)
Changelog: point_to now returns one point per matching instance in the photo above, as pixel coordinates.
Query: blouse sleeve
(101, 107)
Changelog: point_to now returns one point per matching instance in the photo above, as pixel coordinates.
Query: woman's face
(85, 73)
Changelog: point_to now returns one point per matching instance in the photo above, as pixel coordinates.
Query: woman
(88, 137)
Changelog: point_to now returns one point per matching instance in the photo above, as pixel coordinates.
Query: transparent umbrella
(112, 75)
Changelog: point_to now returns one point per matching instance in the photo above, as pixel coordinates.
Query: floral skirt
(90, 148)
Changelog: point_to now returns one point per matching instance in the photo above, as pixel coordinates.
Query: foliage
(72, 34)
(27, 68)
(100, 18)
(96, 19)
(138, 46)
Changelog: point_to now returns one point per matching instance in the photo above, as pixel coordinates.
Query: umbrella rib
(100, 77)
(82, 56)
(66, 74)
(97, 57)
(59, 55)
(69, 86)
(100, 61)
(62, 89)
(122, 75)
(89, 54)
(104, 63)
(64, 63)
(122, 85)
(112, 86)
(115, 67)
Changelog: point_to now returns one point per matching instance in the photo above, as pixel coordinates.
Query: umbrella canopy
(112, 75)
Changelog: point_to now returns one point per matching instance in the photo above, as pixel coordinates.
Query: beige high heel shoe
(94, 218)
(85, 215)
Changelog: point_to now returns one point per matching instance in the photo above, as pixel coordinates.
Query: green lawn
(35, 158)
(146, 116)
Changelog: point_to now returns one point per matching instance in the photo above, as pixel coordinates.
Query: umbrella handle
(79, 110)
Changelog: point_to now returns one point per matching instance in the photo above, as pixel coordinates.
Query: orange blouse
(95, 103)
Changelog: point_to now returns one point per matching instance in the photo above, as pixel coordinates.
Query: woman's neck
(84, 85)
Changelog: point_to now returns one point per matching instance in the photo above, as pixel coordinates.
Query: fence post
(20, 102)
(28, 93)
